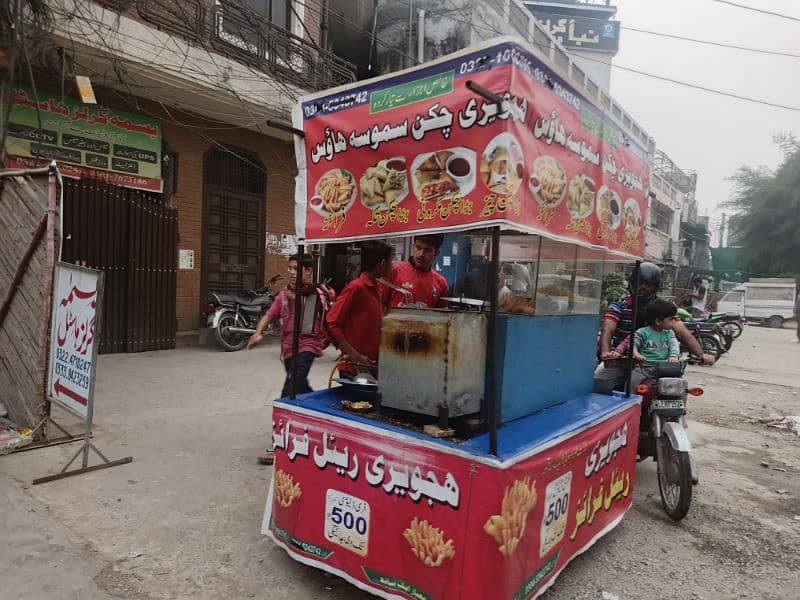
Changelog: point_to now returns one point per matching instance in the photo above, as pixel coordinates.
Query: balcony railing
(254, 40)
(234, 30)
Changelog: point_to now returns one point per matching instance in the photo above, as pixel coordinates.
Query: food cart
(495, 142)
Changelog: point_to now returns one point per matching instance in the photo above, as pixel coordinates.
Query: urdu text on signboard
(420, 150)
(86, 140)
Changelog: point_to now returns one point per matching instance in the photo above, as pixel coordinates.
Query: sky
(710, 134)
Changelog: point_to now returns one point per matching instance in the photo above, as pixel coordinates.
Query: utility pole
(721, 243)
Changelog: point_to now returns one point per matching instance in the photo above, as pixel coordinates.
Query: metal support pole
(635, 288)
(421, 37)
(410, 30)
(491, 346)
(372, 40)
(298, 308)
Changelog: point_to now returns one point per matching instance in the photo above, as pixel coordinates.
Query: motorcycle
(714, 339)
(233, 319)
(731, 322)
(662, 435)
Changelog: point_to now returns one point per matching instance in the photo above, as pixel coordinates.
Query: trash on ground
(11, 438)
(792, 423)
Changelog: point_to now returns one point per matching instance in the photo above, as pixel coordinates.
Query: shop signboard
(422, 150)
(581, 33)
(86, 140)
(403, 516)
(74, 337)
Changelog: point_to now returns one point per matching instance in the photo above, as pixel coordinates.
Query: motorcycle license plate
(660, 404)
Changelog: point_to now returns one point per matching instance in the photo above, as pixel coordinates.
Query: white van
(767, 300)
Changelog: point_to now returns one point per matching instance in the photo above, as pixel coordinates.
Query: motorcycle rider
(618, 325)
(698, 296)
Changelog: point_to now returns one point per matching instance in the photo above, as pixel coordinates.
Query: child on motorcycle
(656, 342)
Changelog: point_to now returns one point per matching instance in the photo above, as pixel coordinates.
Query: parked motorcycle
(662, 435)
(713, 337)
(731, 322)
(233, 319)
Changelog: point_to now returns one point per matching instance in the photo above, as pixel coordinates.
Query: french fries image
(336, 189)
(427, 543)
(286, 490)
(508, 527)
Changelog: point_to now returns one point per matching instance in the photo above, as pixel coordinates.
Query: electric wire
(758, 10)
(710, 43)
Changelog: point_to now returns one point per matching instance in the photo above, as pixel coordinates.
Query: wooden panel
(23, 350)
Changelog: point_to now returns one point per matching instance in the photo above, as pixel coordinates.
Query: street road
(182, 520)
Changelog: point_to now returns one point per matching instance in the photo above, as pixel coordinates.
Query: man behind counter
(355, 319)
(425, 286)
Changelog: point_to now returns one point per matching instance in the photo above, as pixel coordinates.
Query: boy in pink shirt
(312, 339)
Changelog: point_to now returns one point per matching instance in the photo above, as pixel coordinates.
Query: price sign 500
(347, 521)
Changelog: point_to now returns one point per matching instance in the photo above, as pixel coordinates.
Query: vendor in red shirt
(354, 321)
(425, 287)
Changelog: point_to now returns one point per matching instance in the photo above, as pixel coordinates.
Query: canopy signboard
(423, 150)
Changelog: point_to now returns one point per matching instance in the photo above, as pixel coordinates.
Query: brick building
(212, 77)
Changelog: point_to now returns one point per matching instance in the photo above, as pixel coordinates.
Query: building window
(260, 28)
(276, 12)
(660, 216)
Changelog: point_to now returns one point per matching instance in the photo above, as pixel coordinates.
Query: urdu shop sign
(87, 141)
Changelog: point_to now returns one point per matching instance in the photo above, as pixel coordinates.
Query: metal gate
(132, 236)
(233, 222)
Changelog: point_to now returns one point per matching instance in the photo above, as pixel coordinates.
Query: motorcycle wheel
(230, 342)
(674, 480)
(711, 346)
(734, 328)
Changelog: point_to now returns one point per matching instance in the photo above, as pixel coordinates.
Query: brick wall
(313, 20)
(278, 159)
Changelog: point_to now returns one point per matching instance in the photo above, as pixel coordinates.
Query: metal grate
(236, 170)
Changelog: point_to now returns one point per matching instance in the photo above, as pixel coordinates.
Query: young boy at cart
(312, 341)
(355, 319)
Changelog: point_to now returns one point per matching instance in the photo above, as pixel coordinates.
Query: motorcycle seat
(700, 326)
(242, 300)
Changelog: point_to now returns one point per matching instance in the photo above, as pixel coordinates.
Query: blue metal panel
(514, 438)
(458, 260)
(543, 361)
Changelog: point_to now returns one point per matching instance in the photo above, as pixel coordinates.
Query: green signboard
(86, 140)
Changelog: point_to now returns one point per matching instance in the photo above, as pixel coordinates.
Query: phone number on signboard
(503, 57)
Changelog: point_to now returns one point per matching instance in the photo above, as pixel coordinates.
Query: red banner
(77, 172)
(422, 150)
(402, 516)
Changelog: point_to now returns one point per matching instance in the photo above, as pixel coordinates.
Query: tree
(614, 286)
(767, 204)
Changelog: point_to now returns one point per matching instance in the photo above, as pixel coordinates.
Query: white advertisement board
(74, 337)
